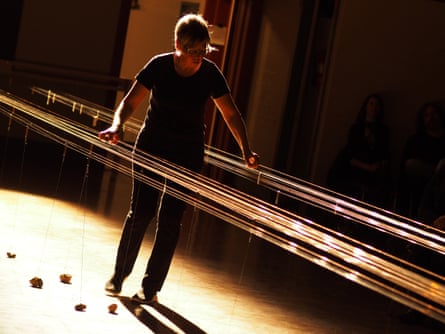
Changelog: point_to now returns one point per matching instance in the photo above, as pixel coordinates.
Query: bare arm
(123, 112)
(234, 121)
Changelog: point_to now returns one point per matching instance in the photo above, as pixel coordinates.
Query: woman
(421, 154)
(361, 170)
(179, 85)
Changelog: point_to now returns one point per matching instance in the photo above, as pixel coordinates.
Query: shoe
(139, 297)
(112, 288)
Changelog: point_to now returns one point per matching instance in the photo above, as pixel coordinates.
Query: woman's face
(192, 56)
(372, 109)
(431, 118)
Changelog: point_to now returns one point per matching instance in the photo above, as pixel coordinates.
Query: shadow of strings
(357, 261)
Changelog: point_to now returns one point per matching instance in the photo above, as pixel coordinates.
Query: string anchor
(36, 282)
(65, 278)
(112, 308)
(10, 255)
(80, 307)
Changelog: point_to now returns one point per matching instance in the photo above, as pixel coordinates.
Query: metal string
(357, 211)
(341, 254)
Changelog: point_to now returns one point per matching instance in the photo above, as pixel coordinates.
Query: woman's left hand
(252, 160)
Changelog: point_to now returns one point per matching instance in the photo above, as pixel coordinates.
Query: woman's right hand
(110, 135)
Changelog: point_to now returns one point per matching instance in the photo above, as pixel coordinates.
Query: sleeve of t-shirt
(147, 74)
(220, 86)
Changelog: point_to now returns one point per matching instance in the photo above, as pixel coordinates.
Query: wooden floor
(211, 288)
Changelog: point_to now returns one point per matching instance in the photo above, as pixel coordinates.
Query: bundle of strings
(353, 259)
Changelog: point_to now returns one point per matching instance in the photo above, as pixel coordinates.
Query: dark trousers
(148, 204)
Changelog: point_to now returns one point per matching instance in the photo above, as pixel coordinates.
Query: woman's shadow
(159, 318)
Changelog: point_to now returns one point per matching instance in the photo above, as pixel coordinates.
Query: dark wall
(79, 34)
(10, 13)
(64, 45)
(70, 47)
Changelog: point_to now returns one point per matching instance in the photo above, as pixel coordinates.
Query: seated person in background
(422, 151)
(432, 203)
(431, 212)
(361, 169)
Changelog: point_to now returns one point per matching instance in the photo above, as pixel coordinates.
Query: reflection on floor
(230, 284)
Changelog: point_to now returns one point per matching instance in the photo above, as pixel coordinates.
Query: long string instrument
(349, 257)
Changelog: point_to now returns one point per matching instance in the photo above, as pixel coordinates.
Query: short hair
(192, 29)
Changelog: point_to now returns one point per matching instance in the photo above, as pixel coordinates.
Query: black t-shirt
(174, 124)
(423, 147)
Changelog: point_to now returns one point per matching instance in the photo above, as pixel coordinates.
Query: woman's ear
(178, 45)
(178, 48)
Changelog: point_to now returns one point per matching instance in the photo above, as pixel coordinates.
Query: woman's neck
(182, 68)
